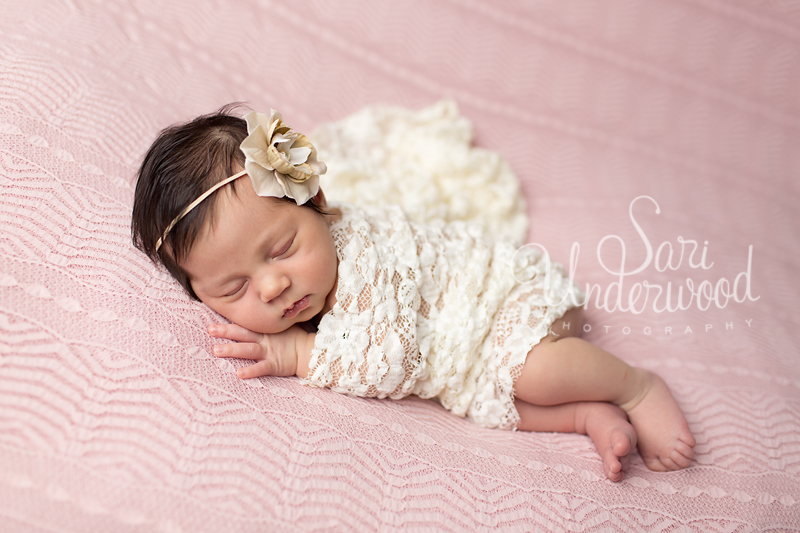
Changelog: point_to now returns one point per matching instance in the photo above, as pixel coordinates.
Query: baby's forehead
(237, 215)
(237, 202)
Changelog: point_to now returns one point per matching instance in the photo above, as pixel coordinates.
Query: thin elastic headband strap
(194, 204)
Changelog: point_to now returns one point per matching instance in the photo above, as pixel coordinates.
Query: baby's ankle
(639, 382)
(581, 415)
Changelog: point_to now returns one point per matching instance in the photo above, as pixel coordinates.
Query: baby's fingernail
(218, 349)
(212, 330)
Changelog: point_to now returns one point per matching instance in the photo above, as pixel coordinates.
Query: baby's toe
(670, 463)
(677, 461)
(676, 458)
(682, 455)
(622, 444)
(656, 464)
(612, 468)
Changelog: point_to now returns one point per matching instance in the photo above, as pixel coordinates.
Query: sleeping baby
(364, 301)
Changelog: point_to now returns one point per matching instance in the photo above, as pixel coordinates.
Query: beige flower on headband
(280, 161)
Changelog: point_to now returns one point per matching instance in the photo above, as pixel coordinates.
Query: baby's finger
(262, 368)
(233, 332)
(240, 350)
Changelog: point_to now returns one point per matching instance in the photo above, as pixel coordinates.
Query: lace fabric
(425, 162)
(437, 310)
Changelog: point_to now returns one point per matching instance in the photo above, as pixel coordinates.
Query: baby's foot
(665, 441)
(613, 436)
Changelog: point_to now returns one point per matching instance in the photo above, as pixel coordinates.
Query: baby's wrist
(304, 344)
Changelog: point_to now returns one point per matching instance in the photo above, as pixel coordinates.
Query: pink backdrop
(114, 417)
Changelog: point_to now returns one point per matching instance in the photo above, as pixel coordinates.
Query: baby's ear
(319, 200)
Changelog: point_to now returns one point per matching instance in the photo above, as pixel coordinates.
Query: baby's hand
(275, 355)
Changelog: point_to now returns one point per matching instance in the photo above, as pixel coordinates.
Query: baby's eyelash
(285, 248)
(233, 292)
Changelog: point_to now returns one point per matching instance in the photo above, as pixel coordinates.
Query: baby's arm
(280, 354)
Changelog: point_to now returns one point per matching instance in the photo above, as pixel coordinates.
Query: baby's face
(264, 264)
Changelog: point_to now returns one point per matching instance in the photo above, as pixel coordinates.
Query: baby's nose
(271, 287)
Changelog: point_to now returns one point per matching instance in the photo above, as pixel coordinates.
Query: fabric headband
(280, 163)
(194, 204)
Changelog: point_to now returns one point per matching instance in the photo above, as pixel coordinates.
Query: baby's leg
(569, 369)
(606, 424)
(665, 441)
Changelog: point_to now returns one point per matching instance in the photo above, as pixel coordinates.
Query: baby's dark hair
(184, 162)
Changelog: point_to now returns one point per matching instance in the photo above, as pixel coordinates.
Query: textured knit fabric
(437, 310)
(116, 416)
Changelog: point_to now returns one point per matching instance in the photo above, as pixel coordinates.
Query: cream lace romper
(436, 310)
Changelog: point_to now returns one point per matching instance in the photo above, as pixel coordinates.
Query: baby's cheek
(231, 313)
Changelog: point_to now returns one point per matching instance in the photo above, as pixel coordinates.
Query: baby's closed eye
(234, 291)
(283, 251)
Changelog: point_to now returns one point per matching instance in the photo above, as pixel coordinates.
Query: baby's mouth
(296, 307)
